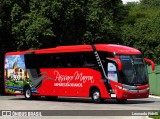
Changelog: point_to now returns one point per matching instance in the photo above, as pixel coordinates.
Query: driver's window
(112, 72)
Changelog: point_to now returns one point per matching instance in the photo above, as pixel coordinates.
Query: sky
(125, 1)
(18, 59)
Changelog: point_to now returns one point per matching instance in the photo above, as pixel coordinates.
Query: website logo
(6, 113)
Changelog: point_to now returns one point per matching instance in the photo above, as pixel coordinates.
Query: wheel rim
(96, 95)
(28, 93)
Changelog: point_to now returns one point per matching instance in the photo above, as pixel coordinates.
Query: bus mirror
(116, 60)
(151, 62)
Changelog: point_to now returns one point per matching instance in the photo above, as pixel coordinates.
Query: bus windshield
(134, 71)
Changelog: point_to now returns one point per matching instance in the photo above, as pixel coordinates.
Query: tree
(142, 30)
(151, 3)
(38, 24)
(30, 28)
(102, 21)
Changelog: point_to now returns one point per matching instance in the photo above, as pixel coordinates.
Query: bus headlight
(125, 89)
(119, 87)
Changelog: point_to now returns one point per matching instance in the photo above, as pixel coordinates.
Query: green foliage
(0, 23)
(34, 24)
(151, 3)
(102, 21)
(155, 116)
(32, 31)
(141, 29)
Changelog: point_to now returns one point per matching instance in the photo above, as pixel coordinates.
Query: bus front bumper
(123, 93)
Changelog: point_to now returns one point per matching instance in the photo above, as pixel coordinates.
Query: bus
(93, 71)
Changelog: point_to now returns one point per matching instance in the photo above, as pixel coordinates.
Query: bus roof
(118, 49)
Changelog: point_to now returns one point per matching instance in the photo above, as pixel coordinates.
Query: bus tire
(28, 93)
(96, 96)
(51, 97)
(121, 101)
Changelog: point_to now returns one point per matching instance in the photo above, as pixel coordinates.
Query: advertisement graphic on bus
(16, 75)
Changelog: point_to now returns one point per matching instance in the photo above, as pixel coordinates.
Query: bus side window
(67, 60)
(31, 61)
(112, 72)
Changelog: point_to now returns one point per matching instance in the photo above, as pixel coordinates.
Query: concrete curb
(152, 96)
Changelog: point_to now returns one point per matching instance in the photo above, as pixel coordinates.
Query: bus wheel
(27, 93)
(96, 96)
(121, 100)
(51, 97)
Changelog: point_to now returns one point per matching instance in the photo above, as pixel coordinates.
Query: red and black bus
(95, 71)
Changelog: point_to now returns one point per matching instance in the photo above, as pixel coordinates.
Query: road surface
(62, 103)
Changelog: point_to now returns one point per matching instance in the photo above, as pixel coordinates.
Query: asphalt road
(62, 103)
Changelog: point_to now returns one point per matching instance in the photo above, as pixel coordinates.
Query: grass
(154, 117)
